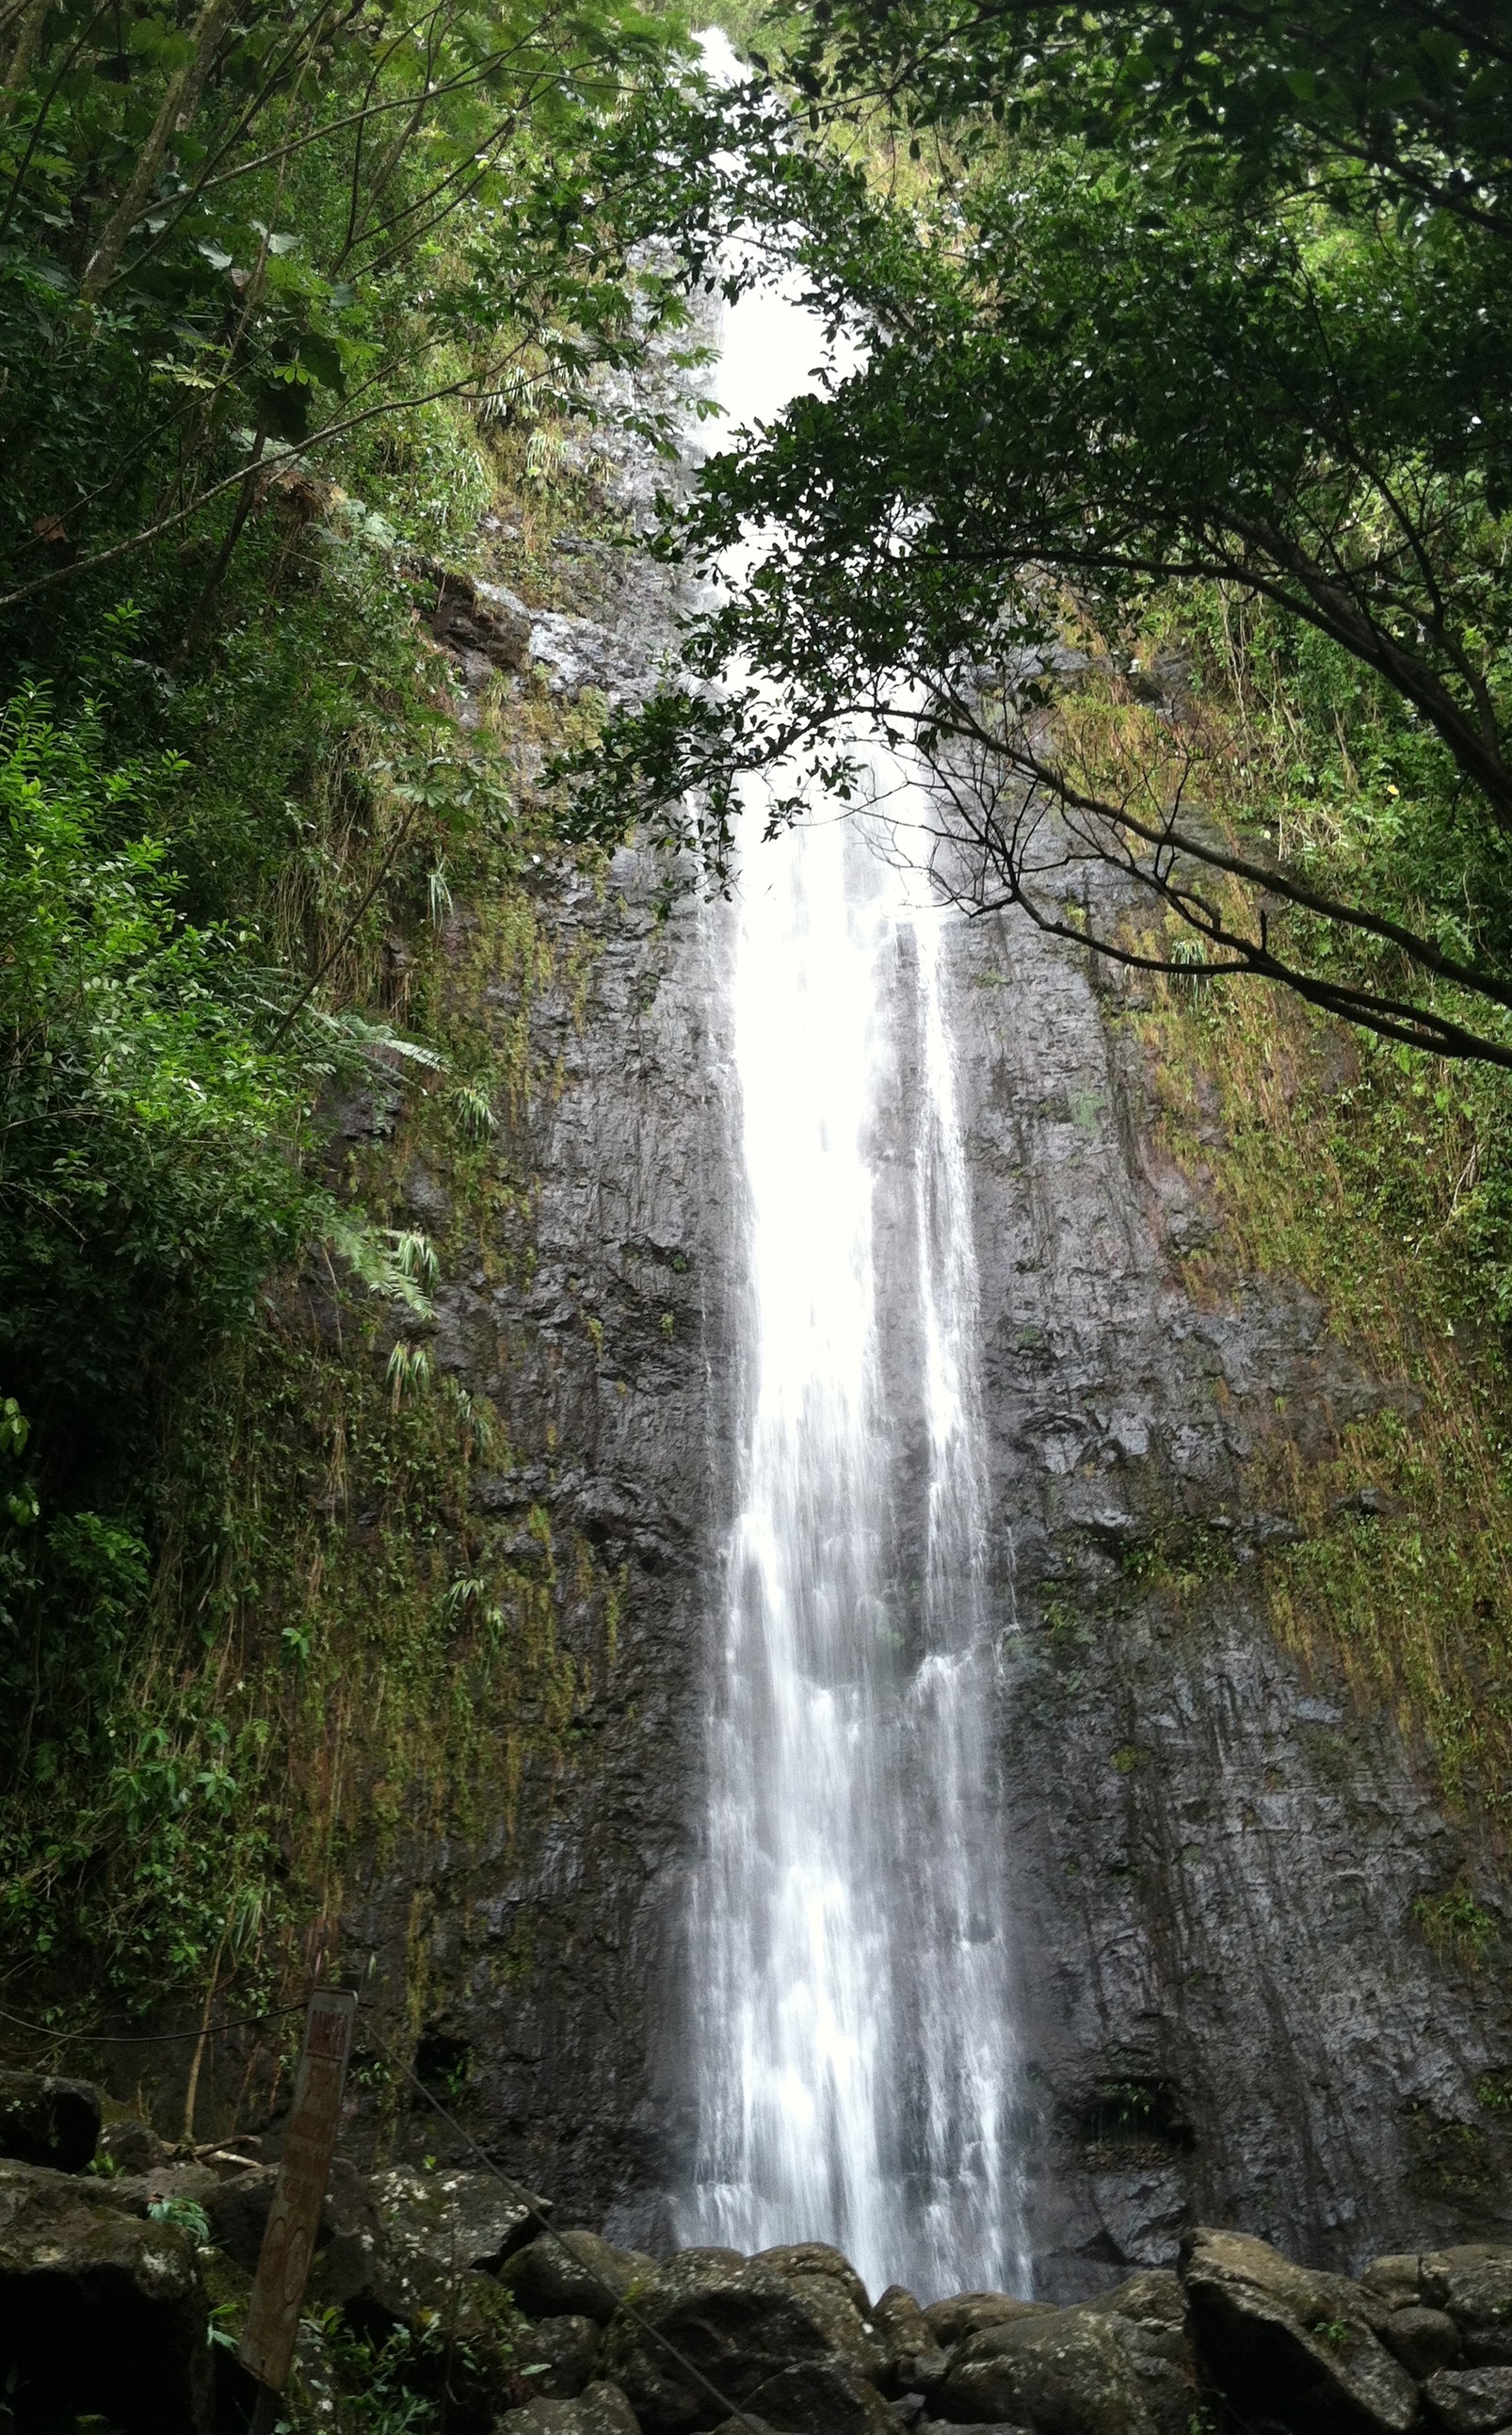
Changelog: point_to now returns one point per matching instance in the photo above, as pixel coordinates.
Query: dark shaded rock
(238, 2209)
(967, 2312)
(835, 2297)
(1148, 2316)
(1470, 2401)
(1295, 2346)
(1474, 2285)
(733, 2333)
(601, 2410)
(483, 618)
(353, 2260)
(99, 2310)
(163, 2185)
(560, 2357)
(1424, 2339)
(1063, 2372)
(904, 2331)
(941, 2427)
(356, 2267)
(132, 2146)
(48, 2121)
(573, 2275)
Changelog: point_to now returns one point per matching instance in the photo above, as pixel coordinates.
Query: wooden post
(294, 2221)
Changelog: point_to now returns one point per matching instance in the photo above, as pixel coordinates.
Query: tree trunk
(28, 41)
(179, 103)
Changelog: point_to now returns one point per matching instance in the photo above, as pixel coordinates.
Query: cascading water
(854, 2050)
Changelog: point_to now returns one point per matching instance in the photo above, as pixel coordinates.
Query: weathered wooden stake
(294, 2222)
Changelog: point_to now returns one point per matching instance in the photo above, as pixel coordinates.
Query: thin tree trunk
(29, 42)
(223, 557)
(179, 103)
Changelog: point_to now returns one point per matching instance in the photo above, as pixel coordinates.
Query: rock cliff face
(1227, 2010)
(540, 1954)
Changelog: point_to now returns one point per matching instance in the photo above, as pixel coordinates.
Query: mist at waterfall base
(849, 1990)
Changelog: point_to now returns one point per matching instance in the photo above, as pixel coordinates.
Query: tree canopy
(1180, 298)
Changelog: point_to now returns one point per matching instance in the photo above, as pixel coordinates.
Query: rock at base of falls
(45, 2120)
(575, 2273)
(1065, 2370)
(1472, 2401)
(950, 2322)
(103, 2307)
(1301, 2348)
(712, 2324)
(602, 2410)
(561, 2357)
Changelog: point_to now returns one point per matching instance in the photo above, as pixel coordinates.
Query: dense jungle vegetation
(1166, 515)
(289, 298)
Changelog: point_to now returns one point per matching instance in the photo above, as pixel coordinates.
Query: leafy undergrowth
(257, 1623)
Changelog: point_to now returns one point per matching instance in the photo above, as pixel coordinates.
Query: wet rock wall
(1228, 2008)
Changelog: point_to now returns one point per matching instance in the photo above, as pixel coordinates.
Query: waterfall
(850, 1993)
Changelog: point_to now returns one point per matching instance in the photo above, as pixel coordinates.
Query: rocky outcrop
(100, 2311)
(602, 2410)
(48, 2121)
(713, 2327)
(561, 2357)
(1061, 2374)
(104, 2296)
(1298, 2347)
(1471, 2401)
(568, 2273)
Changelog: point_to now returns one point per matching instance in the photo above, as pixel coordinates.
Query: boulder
(951, 2320)
(132, 2146)
(1473, 2285)
(800, 2258)
(713, 2330)
(455, 2220)
(1058, 2372)
(560, 2357)
(942, 2427)
(1148, 2316)
(1470, 2401)
(914, 2361)
(1393, 2280)
(1424, 2339)
(355, 2267)
(1281, 2342)
(835, 2296)
(573, 2275)
(48, 2121)
(602, 2410)
(238, 2210)
(100, 2310)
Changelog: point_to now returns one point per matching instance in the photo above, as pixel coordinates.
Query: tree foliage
(1169, 309)
(281, 288)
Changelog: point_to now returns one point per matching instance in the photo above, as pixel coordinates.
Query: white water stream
(850, 1957)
